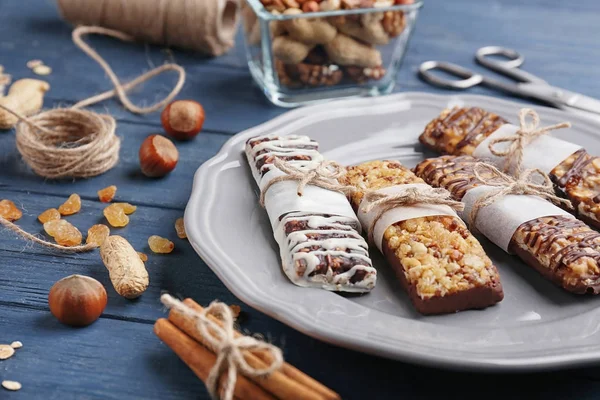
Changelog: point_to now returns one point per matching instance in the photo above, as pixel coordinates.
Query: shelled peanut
(25, 97)
(327, 51)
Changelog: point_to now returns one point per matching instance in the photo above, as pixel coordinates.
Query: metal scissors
(528, 86)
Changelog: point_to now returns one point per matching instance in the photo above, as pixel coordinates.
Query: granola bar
(459, 131)
(439, 263)
(562, 249)
(318, 247)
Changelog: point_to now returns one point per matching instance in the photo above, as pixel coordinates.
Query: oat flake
(34, 63)
(11, 385)
(16, 345)
(6, 351)
(42, 70)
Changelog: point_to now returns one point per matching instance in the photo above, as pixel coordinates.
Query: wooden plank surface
(119, 357)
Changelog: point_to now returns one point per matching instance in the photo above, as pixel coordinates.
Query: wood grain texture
(119, 356)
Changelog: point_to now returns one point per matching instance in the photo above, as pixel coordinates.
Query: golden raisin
(50, 214)
(160, 245)
(115, 215)
(71, 206)
(180, 228)
(107, 194)
(97, 234)
(143, 257)
(9, 211)
(63, 232)
(127, 208)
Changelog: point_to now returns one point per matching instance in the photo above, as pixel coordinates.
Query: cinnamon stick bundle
(181, 334)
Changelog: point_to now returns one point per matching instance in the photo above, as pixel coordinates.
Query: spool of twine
(206, 26)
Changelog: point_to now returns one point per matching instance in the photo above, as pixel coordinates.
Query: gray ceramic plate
(536, 326)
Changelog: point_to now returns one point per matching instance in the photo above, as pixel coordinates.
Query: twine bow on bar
(410, 197)
(228, 348)
(506, 185)
(527, 133)
(324, 174)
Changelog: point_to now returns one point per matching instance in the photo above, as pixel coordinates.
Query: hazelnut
(310, 6)
(183, 119)
(77, 300)
(158, 156)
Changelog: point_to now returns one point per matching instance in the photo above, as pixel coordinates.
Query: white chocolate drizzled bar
(318, 233)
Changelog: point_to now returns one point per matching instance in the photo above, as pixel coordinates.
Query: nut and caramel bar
(441, 266)
(563, 249)
(317, 249)
(458, 131)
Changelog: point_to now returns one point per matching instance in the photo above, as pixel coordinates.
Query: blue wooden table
(119, 357)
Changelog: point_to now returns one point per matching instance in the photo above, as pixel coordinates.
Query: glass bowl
(299, 57)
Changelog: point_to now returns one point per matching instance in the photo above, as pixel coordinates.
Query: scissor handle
(510, 67)
(515, 59)
(470, 78)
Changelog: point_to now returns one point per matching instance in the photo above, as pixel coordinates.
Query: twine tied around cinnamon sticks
(524, 184)
(527, 133)
(324, 174)
(228, 346)
(410, 197)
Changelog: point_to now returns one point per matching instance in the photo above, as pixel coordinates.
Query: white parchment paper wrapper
(545, 152)
(282, 198)
(399, 214)
(499, 221)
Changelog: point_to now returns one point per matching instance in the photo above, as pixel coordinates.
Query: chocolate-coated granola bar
(439, 263)
(563, 249)
(317, 249)
(458, 131)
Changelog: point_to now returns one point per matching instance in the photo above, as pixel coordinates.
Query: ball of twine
(68, 143)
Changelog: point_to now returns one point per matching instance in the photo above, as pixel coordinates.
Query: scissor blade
(560, 97)
(584, 103)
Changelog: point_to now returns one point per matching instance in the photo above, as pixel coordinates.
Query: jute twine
(67, 249)
(527, 133)
(523, 185)
(324, 174)
(229, 349)
(410, 197)
(70, 142)
(207, 26)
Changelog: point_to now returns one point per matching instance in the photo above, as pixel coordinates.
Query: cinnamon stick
(288, 370)
(200, 360)
(278, 384)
